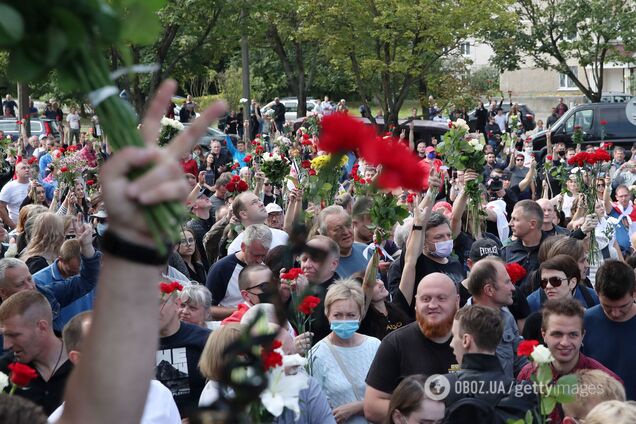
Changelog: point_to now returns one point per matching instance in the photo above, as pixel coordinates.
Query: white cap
(273, 208)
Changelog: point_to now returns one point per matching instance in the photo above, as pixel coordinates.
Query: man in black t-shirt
(180, 347)
(422, 347)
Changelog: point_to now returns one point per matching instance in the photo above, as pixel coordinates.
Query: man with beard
(422, 347)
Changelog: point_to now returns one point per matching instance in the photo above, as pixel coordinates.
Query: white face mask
(443, 249)
(101, 228)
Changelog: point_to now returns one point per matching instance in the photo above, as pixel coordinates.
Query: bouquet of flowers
(319, 177)
(588, 166)
(550, 392)
(82, 29)
(464, 151)
(577, 135)
(559, 172)
(70, 167)
(275, 167)
(169, 128)
(236, 186)
(303, 305)
(312, 123)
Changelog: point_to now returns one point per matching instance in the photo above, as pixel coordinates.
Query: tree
(556, 34)
(389, 46)
(189, 29)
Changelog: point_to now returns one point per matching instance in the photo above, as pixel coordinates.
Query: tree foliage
(557, 34)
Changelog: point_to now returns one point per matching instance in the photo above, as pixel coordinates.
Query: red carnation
(62, 150)
(549, 157)
(308, 305)
(292, 274)
(410, 198)
(526, 347)
(168, 288)
(603, 122)
(32, 159)
(305, 164)
(516, 272)
(242, 186)
(231, 187)
(236, 166)
(306, 136)
(18, 122)
(271, 358)
(90, 182)
(247, 158)
(259, 149)
(342, 133)
(254, 143)
(609, 145)
(307, 142)
(21, 374)
(601, 155)
(64, 169)
(235, 179)
(312, 172)
(450, 124)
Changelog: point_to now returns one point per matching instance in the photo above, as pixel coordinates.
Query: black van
(618, 129)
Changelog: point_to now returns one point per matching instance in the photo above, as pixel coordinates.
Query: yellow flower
(319, 162)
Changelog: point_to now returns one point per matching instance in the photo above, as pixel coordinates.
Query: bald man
(422, 347)
(26, 321)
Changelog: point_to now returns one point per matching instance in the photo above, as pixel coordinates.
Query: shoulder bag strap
(344, 370)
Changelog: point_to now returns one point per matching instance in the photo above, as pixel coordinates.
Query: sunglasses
(263, 286)
(554, 282)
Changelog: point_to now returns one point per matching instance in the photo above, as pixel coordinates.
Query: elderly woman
(560, 277)
(194, 304)
(342, 359)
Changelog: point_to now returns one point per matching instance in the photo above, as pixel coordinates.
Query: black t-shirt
(48, 394)
(404, 352)
(177, 365)
(377, 325)
(424, 266)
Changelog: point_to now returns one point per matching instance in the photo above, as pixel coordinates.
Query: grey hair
(258, 232)
(8, 263)
(196, 294)
(328, 211)
(401, 234)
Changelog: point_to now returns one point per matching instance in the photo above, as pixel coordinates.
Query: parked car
(38, 126)
(291, 104)
(588, 116)
(214, 134)
(529, 122)
(613, 97)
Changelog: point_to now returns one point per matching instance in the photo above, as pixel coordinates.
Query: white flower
(283, 391)
(243, 100)
(542, 355)
(4, 381)
(167, 122)
(460, 123)
(479, 147)
(575, 170)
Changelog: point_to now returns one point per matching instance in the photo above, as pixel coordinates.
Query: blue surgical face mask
(443, 249)
(101, 228)
(345, 329)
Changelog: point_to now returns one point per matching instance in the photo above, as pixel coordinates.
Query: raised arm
(527, 180)
(293, 209)
(370, 281)
(103, 388)
(607, 199)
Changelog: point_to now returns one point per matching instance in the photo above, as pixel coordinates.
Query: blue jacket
(76, 291)
(534, 299)
(236, 155)
(45, 160)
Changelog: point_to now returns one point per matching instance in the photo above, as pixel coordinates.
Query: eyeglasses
(554, 282)
(518, 159)
(262, 286)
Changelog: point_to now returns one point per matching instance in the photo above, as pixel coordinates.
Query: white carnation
(4, 381)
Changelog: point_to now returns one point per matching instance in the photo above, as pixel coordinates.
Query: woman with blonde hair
(612, 411)
(214, 360)
(44, 244)
(21, 238)
(341, 360)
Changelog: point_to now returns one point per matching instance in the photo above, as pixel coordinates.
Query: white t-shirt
(13, 194)
(73, 120)
(160, 407)
(279, 238)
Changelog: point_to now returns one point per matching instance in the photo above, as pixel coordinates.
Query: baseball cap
(100, 214)
(273, 208)
(483, 248)
(429, 149)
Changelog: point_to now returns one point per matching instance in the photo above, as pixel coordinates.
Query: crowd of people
(435, 298)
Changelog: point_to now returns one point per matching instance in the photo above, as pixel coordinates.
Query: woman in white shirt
(341, 360)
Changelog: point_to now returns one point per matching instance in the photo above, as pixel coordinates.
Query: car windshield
(12, 126)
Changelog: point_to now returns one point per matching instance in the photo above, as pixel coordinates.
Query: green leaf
(547, 405)
(57, 43)
(141, 24)
(565, 388)
(72, 26)
(22, 67)
(544, 374)
(529, 417)
(11, 25)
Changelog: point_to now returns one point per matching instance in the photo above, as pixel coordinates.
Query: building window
(465, 48)
(565, 82)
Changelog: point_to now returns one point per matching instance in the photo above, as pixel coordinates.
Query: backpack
(474, 410)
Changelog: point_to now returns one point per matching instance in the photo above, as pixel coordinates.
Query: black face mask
(264, 297)
(561, 152)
